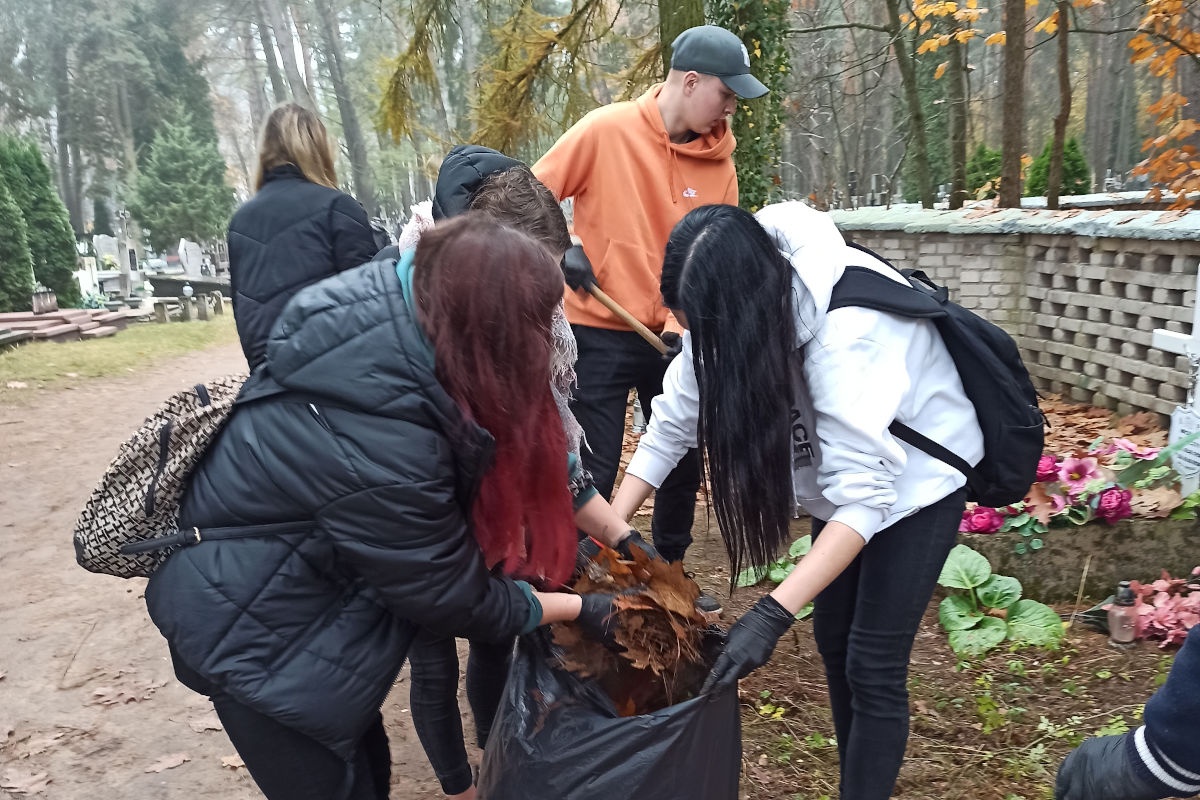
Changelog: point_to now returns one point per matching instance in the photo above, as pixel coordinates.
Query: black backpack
(992, 374)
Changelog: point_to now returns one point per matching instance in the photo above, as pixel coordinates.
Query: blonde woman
(296, 230)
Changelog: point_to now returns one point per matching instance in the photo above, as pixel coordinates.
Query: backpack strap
(866, 288)
(193, 536)
(931, 448)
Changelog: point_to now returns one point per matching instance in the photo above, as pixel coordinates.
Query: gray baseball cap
(710, 50)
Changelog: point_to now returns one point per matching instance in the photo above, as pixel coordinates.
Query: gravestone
(86, 275)
(108, 253)
(1186, 418)
(191, 258)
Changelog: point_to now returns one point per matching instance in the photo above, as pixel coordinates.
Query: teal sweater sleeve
(582, 488)
(535, 607)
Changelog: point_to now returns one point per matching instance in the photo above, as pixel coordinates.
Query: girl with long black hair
(791, 403)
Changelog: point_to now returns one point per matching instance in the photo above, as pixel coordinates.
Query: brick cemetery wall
(1081, 291)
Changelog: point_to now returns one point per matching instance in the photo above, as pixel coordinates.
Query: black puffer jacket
(292, 233)
(378, 468)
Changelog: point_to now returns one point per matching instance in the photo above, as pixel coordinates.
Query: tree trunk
(916, 115)
(126, 128)
(356, 146)
(278, 88)
(304, 35)
(675, 17)
(1012, 145)
(62, 114)
(1055, 172)
(957, 96)
(287, 53)
(254, 83)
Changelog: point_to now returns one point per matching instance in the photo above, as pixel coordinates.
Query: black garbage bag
(559, 737)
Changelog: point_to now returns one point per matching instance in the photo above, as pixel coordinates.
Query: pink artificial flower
(1077, 473)
(1047, 468)
(981, 520)
(1113, 505)
(1143, 453)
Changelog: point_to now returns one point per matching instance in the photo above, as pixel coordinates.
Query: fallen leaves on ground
(169, 762)
(233, 762)
(122, 694)
(659, 630)
(205, 722)
(1156, 503)
(19, 780)
(1075, 426)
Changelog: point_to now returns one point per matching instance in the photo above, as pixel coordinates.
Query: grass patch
(43, 364)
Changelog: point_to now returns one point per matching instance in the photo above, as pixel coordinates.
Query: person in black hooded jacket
(296, 230)
(370, 439)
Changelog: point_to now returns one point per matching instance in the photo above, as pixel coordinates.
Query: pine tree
(16, 265)
(51, 241)
(180, 191)
(1076, 179)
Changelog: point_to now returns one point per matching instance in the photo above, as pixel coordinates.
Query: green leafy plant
(973, 631)
(777, 571)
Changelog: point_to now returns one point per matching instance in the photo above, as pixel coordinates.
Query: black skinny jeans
(610, 364)
(864, 624)
(433, 700)
(287, 765)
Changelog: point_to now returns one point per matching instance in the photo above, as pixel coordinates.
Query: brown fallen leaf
(6, 730)
(168, 762)
(1156, 503)
(1039, 504)
(40, 745)
(205, 722)
(233, 762)
(24, 781)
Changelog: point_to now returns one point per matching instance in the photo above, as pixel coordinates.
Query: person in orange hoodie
(634, 170)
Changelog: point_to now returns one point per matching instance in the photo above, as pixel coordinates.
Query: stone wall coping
(1098, 223)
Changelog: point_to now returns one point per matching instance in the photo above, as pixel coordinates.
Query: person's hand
(577, 270)
(1101, 769)
(634, 539)
(750, 643)
(674, 343)
(598, 618)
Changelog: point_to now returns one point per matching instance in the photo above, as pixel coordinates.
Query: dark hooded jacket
(462, 172)
(377, 467)
(291, 234)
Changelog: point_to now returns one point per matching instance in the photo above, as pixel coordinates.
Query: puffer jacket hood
(376, 467)
(463, 170)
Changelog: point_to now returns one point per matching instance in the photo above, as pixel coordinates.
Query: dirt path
(87, 695)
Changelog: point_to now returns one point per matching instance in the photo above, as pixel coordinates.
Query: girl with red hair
(394, 444)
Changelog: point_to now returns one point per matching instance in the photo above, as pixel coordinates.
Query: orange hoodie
(630, 185)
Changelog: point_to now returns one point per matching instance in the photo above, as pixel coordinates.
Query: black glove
(577, 270)
(1100, 769)
(751, 641)
(634, 539)
(674, 343)
(598, 618)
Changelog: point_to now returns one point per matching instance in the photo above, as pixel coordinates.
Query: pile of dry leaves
(1074, 427)
(663, 635)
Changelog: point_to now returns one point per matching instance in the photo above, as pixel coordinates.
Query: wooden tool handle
(630, 320)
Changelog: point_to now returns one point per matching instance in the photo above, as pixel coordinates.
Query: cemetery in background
(1081, 290)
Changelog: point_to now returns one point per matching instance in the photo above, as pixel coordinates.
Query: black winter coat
(291, 234)
(378, 468)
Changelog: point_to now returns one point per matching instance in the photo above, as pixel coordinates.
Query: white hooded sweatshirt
(856, 370)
